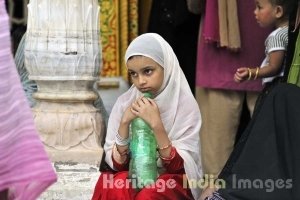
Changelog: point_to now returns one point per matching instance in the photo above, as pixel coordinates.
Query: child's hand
(207, 192)
(241, 74)
(148, 110)
(128, 115)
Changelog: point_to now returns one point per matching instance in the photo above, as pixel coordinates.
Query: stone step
(75, 182)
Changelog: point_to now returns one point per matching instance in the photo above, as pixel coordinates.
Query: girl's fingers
(134, 111)
(237, 78)
(152, 102)
(146, 100)
(142, 101)
(135, 106)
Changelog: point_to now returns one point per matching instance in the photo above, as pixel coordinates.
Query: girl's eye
(133, 74)
(148, 71)
(258, 7)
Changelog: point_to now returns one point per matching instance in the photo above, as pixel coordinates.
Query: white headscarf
(178, 108)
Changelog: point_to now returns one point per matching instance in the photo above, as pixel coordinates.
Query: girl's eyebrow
(148, 66)
(144, 68)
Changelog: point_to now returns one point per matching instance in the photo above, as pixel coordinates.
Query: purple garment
(216, 66)
(25, 169)
(210, 30)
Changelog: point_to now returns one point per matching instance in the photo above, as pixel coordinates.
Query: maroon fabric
(121, 167)
(169, 186)
(173, 166)
(109, 187)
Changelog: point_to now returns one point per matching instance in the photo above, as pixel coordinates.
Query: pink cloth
(216, 66)
(25, 169)
(211, 24)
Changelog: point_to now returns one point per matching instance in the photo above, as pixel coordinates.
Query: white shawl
(178, 108)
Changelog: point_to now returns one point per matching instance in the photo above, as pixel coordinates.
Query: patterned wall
(118, 26)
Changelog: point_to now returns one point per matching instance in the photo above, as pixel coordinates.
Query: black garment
(179, 27)
(265, 164)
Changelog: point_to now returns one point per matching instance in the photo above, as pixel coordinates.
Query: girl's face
(145, 74)
(266, 14)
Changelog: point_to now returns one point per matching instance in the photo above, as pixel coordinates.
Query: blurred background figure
(177, 21)
(25, 169)
(229, 38)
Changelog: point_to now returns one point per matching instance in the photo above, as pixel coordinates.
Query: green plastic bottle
(142, 167)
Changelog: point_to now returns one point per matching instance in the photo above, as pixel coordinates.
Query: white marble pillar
(63, 56)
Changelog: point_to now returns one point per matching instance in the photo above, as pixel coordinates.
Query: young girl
(173, 115)
(270, 13)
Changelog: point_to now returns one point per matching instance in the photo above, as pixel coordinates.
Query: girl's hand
(128, 116)
(207, 192)
(241, 74)
(147, 109)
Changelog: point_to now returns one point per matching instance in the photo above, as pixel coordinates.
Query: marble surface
(75, 182)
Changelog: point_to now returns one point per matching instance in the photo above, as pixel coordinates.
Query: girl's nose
(254, 12)
(142, 80)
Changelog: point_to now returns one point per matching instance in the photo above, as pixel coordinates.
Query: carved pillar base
(75, 155)
(71, 131)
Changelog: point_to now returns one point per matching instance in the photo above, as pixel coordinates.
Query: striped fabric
(29, 86)
(216, 196)
(277, 40)
(25, 169)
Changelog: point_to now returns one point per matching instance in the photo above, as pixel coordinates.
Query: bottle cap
(148, 95)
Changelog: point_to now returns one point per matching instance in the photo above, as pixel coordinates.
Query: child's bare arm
(275, 64)
(276, 59)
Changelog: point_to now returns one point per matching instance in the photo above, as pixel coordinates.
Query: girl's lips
(144, 89)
